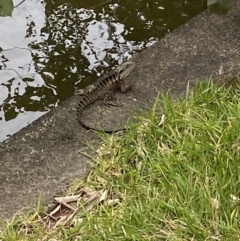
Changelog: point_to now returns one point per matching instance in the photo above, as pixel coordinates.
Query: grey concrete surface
(43, 157)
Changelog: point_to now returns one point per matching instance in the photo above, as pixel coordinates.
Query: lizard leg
(109, 99)
(125, 88)
(85, 91)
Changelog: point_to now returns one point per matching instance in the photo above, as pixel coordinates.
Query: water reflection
(49, 51)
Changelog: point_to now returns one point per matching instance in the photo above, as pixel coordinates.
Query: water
(50, 49)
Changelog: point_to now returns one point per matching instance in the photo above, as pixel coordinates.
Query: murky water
(50, 49)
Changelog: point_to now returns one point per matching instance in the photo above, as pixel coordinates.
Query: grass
(175, 175)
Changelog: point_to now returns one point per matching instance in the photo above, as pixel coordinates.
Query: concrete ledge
(44, 156)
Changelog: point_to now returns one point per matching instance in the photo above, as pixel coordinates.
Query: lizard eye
(121, 71)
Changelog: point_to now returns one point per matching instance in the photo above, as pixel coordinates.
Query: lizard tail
(99, 130)
(79, 112)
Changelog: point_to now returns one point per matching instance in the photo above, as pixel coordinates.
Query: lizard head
(125, 69)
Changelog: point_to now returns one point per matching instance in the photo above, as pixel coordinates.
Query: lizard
(104, 89)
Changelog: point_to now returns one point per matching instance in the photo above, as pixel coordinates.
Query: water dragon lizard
(104, 89)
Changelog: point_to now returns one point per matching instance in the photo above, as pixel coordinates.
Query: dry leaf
(220, 71)
(162, 121)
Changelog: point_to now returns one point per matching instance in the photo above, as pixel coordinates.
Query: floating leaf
(6, 8)
(220, 7)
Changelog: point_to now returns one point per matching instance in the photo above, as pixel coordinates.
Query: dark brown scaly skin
(104, 88)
